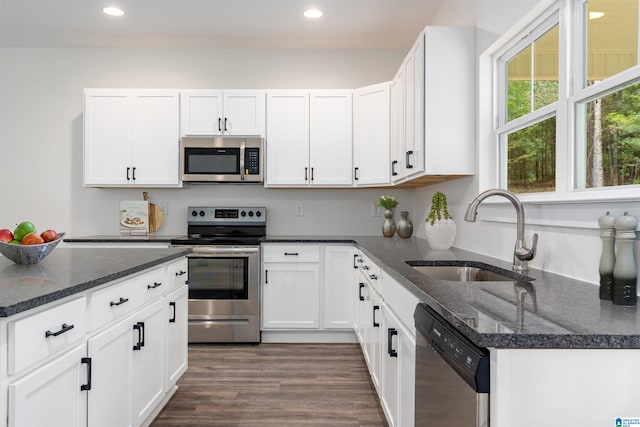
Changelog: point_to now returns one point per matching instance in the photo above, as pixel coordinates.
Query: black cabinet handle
(181, 273)
(155, 285)
(225, 124)
(119, 302)
(133, 174)
(87, 386)
(355, 173)
(173, 318)
(409, 165)
(360, 288)
(311, 174)
(355, 258)
(393, 168)
(140, 328)
(365, 267)
(305, 174)
(219, 124)
(128, 169)
(291, 254)
(266, 277)
(375, 308)
(390, 333)
(65, 328)
(373, 277)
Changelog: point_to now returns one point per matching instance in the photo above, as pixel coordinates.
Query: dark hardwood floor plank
(274, 385)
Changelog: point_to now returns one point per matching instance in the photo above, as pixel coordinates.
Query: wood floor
(274, 384)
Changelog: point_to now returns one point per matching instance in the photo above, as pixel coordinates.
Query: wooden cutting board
(155, 214)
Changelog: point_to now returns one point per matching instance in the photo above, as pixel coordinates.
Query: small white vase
(441, 234)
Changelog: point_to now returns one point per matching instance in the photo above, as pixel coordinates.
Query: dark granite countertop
(67, 271)
(551, 311)
(121, 238)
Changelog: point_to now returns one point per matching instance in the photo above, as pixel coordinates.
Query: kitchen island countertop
(551, 311)
(67, 271)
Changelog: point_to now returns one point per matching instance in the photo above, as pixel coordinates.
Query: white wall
(569, 242)
(41, 133)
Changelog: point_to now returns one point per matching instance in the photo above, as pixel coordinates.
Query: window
(566, 115)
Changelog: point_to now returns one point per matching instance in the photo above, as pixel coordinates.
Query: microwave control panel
(252, 161)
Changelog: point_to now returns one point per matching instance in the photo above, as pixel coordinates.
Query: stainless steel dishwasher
(452, 375)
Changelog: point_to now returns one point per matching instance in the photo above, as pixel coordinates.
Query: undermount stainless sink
(466, 271)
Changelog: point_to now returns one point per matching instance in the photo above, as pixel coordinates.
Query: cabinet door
(156, 150)
(390, 366)
(338, 287)
(201, 113)
(51, 395)
(374, 339)
(397, 126)
(371, 135)
(414, 109)
(111, 352)
(330, 137)
(148, 371)
(287, 138)
(291, 296)
(363, 311)
(176, 343)
(107, 137)
(244, 113)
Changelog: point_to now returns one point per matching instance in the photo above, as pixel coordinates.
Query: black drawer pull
(173, 318)
(119, 302)
(65, 328)
(360, 288)
(375, 308)
(181, 273)
(155, 285)
(390, 333)
(291, 254)
(373, 277)
(87, 386)
(365, 267)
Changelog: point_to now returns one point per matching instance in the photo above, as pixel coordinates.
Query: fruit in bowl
(25, 245)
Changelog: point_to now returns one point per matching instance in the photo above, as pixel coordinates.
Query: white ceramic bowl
(28, 254)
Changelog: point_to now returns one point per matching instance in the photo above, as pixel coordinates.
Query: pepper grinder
(608, 257)
(625, 274)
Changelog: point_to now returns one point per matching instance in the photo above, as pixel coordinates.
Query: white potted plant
(439, 225)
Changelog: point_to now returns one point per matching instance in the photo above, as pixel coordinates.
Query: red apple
(32, 239)
(49, 235)
(6, 235)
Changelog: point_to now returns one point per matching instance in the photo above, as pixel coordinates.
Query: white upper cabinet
(131, 137)
(309, 136)
(413, 152)
(213, 112)
(371, 135)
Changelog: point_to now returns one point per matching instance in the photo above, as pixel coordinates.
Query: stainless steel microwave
(221, 159)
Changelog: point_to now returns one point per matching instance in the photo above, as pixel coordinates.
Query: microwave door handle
(243, 145)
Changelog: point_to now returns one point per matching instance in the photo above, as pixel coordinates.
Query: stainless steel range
(224, 273)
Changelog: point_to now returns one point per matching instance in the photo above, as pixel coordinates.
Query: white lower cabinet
(51, 395)
(117, 373)
(338, 312)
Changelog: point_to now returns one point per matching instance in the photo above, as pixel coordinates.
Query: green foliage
(439, 208)
(387, 202)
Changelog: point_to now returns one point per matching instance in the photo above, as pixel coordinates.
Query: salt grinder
(625, 273)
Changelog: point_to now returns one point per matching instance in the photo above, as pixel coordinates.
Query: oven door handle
(203, 251)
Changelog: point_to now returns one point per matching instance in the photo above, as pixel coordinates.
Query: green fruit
(24, 228)
(15, 242)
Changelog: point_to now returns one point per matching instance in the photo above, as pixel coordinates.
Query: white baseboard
(308, 337)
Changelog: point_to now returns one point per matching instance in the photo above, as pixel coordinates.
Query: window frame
(493, 127)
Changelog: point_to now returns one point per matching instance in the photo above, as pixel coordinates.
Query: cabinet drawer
(370, 271)
(38, 336)
(114, 302)
(291, 253)
(177, 274)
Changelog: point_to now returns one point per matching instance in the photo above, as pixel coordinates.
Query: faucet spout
(521, 254)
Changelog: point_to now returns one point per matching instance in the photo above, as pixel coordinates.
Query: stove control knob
(194, 213)
(258, 214)
(201, 213)
(250, 213)
(243, 214)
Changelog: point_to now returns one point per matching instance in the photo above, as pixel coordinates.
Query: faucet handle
(526, 254)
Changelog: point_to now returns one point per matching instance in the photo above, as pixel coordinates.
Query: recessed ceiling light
(596, 15)
(313, 13)
(113, 11)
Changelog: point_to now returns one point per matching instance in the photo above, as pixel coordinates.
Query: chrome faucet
(521, 254)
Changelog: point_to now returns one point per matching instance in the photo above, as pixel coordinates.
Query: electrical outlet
(299, 209)
(164, 207)
(375, 210)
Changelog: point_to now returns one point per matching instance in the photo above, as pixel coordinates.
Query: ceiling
(232, 24)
